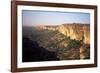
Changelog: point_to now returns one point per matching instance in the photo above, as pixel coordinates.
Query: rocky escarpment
(76, 31)
(63, 42)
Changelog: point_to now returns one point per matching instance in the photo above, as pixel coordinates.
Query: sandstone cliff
(76, 31)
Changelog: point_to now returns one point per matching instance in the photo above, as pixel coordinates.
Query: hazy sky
(33, 17)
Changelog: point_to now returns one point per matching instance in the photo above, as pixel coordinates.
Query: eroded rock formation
(76, 31)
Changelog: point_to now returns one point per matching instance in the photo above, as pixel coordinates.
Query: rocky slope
(74, 31)
(65, 41)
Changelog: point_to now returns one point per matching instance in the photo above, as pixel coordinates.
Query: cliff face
(76, 31)
(86, 34)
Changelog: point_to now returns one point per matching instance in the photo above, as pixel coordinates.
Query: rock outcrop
(76, 31)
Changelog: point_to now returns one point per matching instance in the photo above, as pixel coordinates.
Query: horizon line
(58, 24)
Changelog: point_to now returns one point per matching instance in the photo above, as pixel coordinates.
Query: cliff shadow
(31, 51)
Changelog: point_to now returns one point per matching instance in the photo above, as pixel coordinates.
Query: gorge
(66, 41)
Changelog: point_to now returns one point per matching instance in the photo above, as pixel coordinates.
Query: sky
(33, 17)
